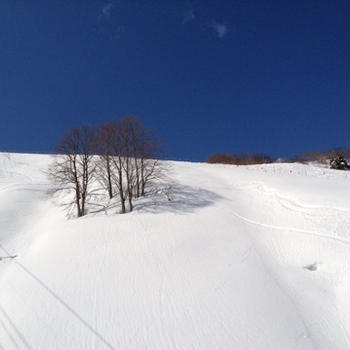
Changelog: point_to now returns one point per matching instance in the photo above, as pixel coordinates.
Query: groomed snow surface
(248, 257)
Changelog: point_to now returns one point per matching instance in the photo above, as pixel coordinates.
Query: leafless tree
(105, 148)
(117, 165)
(73, 167)
(111, 147)
(142, 151)
(150, 169)
(128, 159)
(128, 133)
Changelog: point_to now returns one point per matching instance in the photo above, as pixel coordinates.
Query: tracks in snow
(287, 228)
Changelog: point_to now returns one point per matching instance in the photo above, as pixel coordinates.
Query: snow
(241, 257)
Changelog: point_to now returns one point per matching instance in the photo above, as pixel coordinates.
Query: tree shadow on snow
(173, 198)
(176, 198)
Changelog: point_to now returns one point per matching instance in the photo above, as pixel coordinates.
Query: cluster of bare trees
(246, 159)
(239, 159)
(121, 156)
(322, 156)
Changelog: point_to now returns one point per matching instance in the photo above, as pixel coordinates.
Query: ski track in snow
(292, 229)
(224, 271)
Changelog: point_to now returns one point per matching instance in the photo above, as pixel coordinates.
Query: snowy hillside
(250, 257)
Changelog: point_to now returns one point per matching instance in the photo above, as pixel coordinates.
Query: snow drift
(248, 257)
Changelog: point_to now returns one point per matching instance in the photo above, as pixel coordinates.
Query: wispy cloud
(220, 29)
(106, 11)
(188, 16)
(111, 29)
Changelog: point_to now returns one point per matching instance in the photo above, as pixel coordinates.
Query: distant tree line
(121, 156)
(322, 156)
(239, 159)
(336, 158)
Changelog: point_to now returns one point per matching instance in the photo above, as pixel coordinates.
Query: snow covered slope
(250, 257)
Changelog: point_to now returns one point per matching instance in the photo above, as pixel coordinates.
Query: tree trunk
(110, 189)
(121, 192)
(122, 200)
(142, 177)
(143, 188)
(137, 178)
(77, 202)
(131, 207)
(83, 198)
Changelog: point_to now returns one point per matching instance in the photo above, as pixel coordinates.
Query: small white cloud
(106, 10)
(188, 16)
(220, 29)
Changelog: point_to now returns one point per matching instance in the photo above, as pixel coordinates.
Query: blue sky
(207, 76)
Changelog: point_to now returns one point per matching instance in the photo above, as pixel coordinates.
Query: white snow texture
(232, 257)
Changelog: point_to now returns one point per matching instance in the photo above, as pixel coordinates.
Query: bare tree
(118, 161)
(105, 148)
(129, 150)
(141, 150)
(74, 168)
(116, 147)
(150, 168)
(127, 161)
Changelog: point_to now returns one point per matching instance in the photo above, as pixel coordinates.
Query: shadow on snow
(173, 198)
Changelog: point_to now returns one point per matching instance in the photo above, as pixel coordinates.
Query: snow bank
(248, 257)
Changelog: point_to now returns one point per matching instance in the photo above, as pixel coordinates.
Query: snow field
(248, 257)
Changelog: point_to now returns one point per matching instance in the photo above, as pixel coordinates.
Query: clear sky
(207, 76)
